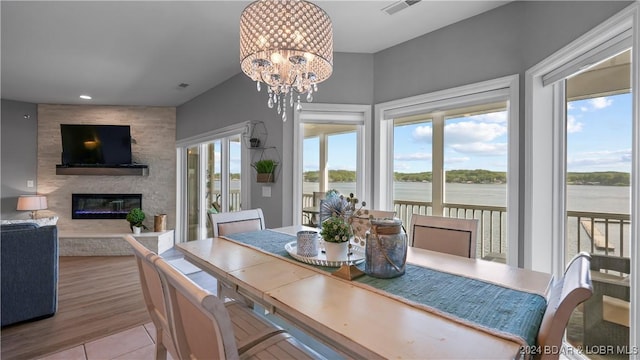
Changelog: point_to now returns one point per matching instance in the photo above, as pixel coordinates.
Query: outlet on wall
(29, 183)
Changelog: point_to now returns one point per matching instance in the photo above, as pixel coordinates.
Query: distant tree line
(480, 176)
(611, 178)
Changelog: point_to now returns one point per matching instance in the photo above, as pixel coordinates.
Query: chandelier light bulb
(288, 46)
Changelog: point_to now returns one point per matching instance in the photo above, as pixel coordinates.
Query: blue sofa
(29, 272)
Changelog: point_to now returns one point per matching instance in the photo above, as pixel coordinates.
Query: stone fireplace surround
(154, 131)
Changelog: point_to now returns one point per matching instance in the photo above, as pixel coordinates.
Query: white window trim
(337, 114)
(544, 194)
(497, 89)
(201, 140)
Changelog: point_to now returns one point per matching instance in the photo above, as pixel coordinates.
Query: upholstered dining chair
(153, 298)
(565, 295)
(448, 235)
(237, 221)
(361, 224)
(204, 329)
(228, 223)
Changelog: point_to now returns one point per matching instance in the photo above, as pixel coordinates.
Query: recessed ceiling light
(86, 97)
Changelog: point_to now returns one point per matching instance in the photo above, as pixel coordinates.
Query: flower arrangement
(335, 229)
(343, 210)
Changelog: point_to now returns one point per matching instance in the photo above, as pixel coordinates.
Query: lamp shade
(32, 202)
(287, 45)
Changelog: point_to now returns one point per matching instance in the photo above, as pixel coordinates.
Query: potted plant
(255, 142)
(265, 169)
(135, 217)
(336, 233)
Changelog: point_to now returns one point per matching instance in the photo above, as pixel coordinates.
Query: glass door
(214, 182)
(193, 192)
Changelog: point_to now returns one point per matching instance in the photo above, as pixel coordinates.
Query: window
(451, 154)
(330, 152)
(583, 143)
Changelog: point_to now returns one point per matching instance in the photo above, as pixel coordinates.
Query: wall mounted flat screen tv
(95, 144)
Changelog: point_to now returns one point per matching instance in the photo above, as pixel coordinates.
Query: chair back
(237, 221)
(201, 323)
(361, 224)
(153, 297)
(447, 235)
(565, 295)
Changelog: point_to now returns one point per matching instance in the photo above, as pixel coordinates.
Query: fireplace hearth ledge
(111, 244)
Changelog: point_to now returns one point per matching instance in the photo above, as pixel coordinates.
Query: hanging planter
(264, 178)
(266, 169)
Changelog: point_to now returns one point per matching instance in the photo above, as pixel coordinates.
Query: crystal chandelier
(288, 45)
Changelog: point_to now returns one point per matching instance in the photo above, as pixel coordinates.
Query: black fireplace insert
(103, 206)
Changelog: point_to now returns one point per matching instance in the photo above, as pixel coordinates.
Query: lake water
(610, 199)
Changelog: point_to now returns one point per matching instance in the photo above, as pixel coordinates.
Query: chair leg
(161, 350)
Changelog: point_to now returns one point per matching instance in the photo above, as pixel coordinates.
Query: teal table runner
(490, 306)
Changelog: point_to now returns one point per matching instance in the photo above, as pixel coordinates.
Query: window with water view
(598, 161)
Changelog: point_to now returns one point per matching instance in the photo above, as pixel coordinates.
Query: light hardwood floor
(97, 296)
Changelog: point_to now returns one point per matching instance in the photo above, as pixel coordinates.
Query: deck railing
(594, 232)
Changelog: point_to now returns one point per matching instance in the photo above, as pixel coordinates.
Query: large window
(598, 165)
(454, 154)
(583, 136)
(330, 152)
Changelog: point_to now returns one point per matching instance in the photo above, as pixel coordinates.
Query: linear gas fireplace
(103, 206)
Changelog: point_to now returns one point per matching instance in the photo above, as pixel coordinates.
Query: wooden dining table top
(354, 320)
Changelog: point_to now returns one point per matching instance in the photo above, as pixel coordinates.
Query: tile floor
(139, 343)
(135, 344)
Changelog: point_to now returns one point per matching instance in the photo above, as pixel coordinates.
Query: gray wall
(236, 100)
(507, 40)
(19, 155)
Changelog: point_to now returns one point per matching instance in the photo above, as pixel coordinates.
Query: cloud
(600, 160)
(423, 133)
(593, 104)
(481, 149)
(573, 125)
(600, 102)
(456, 160)
(402, 167)
(469, 132)
(413, 157)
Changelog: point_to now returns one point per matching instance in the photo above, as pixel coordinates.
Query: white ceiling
(137, 53)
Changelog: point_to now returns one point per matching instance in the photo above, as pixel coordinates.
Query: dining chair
(606, 313)
(362, 223)
(226, 223)
(204, 328)
(564, 296)
(447, 235)
(153, 298)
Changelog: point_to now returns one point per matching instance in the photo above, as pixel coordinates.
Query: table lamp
(32, 203)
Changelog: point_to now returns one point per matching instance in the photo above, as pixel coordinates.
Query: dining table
(369, 318)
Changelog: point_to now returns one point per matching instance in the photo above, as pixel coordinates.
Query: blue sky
(598, 139)
(599, 134)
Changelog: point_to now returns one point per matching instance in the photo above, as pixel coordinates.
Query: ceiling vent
(397, 6)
